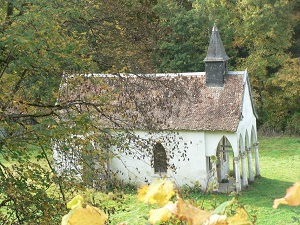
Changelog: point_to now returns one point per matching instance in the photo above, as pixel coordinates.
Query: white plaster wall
(248, 118)
(188, 171)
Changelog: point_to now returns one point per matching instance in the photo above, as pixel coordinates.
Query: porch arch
(224, 153)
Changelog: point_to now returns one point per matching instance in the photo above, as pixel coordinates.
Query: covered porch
(235, 162)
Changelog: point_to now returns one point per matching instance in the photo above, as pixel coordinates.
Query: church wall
(186, 154)
(248, 119)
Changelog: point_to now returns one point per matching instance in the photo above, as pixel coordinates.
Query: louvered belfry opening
(216, 60)
(160, 159)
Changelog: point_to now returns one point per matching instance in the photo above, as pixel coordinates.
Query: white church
(205, 125)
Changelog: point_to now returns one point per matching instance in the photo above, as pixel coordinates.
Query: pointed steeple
(216, 60)
(216, 51)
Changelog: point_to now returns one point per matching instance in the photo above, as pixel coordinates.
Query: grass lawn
(280, 168)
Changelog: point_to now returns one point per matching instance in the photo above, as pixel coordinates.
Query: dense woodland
(40, 40)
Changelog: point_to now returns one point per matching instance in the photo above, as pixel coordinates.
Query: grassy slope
(280, 168)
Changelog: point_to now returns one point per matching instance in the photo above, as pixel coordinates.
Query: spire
(216, 60)
(216, 51)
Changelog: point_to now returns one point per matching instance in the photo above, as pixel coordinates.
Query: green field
(280, 168)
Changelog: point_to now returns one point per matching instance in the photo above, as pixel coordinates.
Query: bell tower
(216, 60)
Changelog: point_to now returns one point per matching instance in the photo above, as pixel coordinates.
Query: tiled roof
(161, 102)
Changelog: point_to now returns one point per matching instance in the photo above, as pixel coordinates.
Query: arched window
(160, 159)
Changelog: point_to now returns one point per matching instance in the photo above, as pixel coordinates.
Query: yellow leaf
(159, 215)
(83, 216)
(187, 212)
(240, 218)
(75, 202)
(160, 192)
(291, 198)
(87, 216)
(142, 192)
(216, 219)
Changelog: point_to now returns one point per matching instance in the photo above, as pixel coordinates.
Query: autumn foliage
(160, 191)
(163, 193)
(80, 215)
(291, 198)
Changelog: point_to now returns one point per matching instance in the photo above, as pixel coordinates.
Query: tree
(267, 33)
(40, 41)
(182, 37)
(35, 46)
(283, 105)
(280, 89)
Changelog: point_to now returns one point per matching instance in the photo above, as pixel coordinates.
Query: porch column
(215, 183)
(257, 167)
(212, 177)
(237, 174)
(244, 170)
(250, 166)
